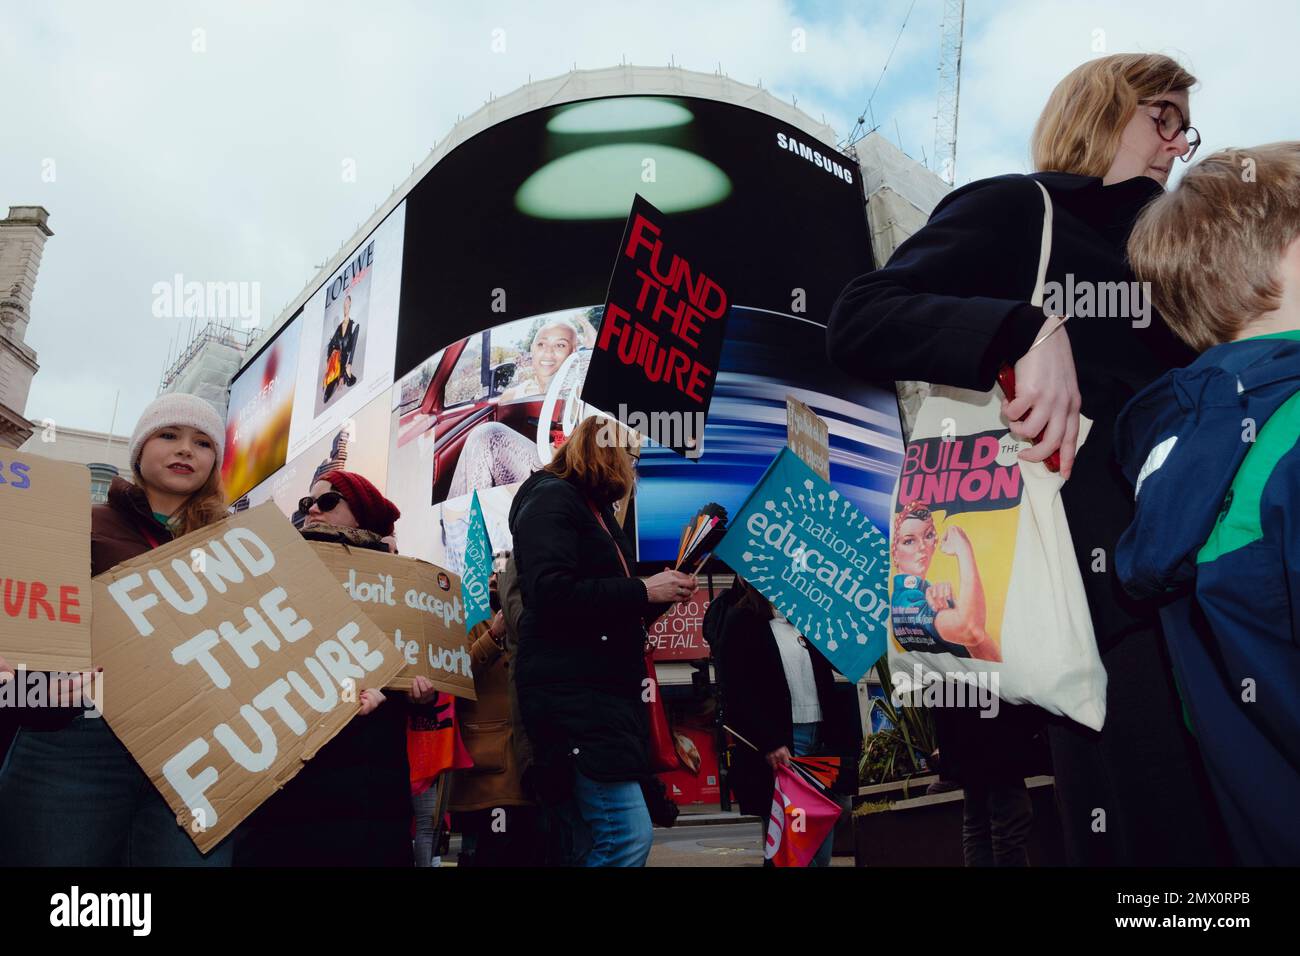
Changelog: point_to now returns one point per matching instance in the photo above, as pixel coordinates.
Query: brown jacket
(116, 533)
(488, 727)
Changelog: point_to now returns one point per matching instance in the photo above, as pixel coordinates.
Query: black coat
(581, 663)
(346, 345)
(952, 305)
(757, 706)
(350, 805)
(978, 750)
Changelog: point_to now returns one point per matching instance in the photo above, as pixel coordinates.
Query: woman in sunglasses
(952, 307)
(351, 804)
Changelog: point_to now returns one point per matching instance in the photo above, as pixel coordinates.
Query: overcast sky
(207, 138)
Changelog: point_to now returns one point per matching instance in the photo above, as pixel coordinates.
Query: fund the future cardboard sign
(231, 656)
(655, 361)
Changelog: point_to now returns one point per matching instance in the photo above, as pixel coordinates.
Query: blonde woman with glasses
(952, 307)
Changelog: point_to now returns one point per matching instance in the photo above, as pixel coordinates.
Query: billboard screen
(257, 422)
(349, 331)
(502, 254)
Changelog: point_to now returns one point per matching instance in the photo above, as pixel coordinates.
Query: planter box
(898, 789)
(926, 830)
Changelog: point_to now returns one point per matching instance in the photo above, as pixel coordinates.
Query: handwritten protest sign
(417, 606)
(818, 559)
(808, 436)
(230, 656)
(44, 563)
(656, 359)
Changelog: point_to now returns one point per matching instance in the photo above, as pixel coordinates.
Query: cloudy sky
(207, 138)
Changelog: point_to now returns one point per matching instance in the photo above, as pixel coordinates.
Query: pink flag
(800, 821)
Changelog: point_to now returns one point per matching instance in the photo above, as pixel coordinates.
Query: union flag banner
(800, 821)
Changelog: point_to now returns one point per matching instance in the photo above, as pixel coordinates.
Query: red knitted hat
(372, 510)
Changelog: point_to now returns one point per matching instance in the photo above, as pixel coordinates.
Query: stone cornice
(14, 429)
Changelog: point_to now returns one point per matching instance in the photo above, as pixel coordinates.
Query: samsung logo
(814, 157)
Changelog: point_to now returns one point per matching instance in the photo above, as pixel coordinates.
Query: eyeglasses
(1170, 122)
(326, 502)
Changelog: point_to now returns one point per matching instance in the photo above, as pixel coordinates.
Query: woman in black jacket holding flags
(951, 307)
(580, 667)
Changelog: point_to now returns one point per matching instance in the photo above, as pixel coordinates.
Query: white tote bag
(985, 587)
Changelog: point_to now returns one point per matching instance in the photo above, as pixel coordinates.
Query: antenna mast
(945, 121)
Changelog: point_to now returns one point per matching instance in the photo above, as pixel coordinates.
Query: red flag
(800, 821)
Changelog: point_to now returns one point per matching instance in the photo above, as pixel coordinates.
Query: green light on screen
(600, 182)
(619, 114)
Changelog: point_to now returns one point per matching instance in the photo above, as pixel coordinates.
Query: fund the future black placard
(656, 358)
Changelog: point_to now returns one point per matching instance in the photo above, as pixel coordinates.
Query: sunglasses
(326, 502)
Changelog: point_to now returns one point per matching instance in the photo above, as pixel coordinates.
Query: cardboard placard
(417, 606)
(230, 656)
(44, 563)
(808, 436)
(656, 357)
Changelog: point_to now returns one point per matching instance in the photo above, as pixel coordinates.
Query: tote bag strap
(621, 560)
(912, 395)
(1045, 247)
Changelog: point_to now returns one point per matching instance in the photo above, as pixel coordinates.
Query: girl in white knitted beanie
(70, 792)
(176, 453)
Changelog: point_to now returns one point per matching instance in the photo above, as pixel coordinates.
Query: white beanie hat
(171, 410)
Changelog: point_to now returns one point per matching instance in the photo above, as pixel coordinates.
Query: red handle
(1007, 379)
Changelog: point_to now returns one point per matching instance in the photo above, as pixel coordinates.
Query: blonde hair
(1081, 125)
(1210, 248)
(206, 506)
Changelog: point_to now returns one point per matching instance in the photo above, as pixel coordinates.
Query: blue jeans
(428, 831)
(608, 823)
(76, 797)
(807, 744)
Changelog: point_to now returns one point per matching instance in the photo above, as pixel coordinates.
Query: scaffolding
(207, 364)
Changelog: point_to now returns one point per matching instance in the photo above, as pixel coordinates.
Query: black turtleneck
(952, 305)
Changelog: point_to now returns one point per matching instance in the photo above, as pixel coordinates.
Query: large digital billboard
(349, 331)
(261, 404)
(502, 254)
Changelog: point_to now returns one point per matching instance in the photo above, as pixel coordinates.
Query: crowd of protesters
(1200, 598)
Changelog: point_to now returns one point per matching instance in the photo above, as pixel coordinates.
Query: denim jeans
(607, 822)
(807, 743)
(427, 830)
(76, 797)
(996, 824)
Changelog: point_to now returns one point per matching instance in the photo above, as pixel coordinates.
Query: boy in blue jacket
(1214, 453)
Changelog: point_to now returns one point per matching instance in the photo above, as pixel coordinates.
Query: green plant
(880, 758)
(897, 751)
